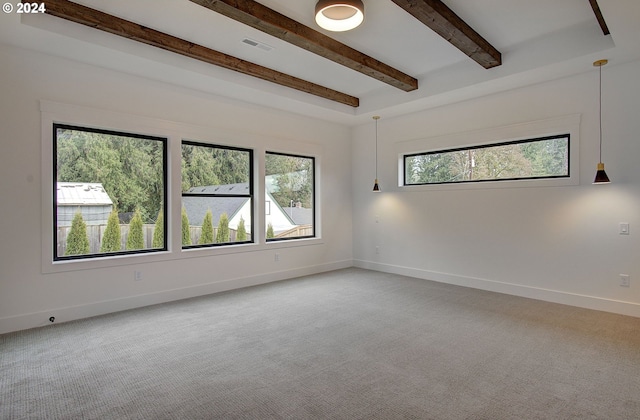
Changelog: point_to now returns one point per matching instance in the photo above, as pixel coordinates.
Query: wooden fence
(296, 232)
(196, 231)
(96, 232)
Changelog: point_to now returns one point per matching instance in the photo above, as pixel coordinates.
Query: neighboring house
(298, 214)
(90, 199)
(236, 207)
(275, 214)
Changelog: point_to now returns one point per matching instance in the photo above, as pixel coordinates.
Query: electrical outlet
(276, 257)
(137, 275)
(625, 280)
(377, 250)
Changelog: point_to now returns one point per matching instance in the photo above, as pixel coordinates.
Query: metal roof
(83, 194)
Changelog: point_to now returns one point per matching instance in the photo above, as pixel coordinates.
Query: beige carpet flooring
(348, 344)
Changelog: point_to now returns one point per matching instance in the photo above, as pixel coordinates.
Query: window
(539, 158)
(109, 194)
(217, 195)
(290, 196)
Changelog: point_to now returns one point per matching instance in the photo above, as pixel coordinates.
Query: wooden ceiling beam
(437, 16)
(599, 16)
(105, 22)
(267, 20)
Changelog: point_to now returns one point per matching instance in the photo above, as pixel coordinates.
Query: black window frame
(165, 208)
(313, 198)
(251, 194)
(485, 146)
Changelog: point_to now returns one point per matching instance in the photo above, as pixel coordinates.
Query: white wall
(559, 244)
(28, 297)
(554, 243)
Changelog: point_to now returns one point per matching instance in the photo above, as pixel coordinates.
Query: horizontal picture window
(539, 158)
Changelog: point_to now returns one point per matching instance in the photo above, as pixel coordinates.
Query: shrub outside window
(217, 195)
(540, 158)
(290, 196)
(109, 194)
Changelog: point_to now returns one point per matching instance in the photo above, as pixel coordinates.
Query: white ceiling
(539, 40)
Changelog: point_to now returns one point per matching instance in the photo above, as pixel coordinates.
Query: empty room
(273, 209)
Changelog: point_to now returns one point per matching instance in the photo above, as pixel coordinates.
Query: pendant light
(601, 175)
(376, 186)
(339, 15)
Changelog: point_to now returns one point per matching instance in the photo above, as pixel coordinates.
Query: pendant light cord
(600, 111)
(377, 147)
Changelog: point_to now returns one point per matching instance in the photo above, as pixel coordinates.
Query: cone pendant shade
(601, 175)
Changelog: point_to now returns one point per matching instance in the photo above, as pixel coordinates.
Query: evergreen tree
(135, 239)
(111, 239)
(158, 231)
(430, 168)
(223, 234)
(186, 233)
(241, 233)
(202, 165)
(293, 177)
(270, 234)
(77, 240)
(206, 236)
(130, 169)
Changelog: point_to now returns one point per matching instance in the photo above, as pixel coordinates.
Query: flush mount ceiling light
(339, 15)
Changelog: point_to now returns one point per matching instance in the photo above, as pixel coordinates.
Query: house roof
(197, 207)
(82, 194)
(299, 215)
(238, 188)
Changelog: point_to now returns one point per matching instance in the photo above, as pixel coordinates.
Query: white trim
(548, 295)
(534, 129)
(38, 319)
(175, 132)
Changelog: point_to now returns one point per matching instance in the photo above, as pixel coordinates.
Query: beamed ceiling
(407, 55)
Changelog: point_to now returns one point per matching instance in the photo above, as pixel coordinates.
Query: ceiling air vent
(257, 44)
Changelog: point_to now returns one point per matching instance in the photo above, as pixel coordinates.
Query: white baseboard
(39, 319)
(548, 295)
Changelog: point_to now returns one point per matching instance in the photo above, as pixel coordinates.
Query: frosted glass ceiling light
(339, 15)
(601, 175)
